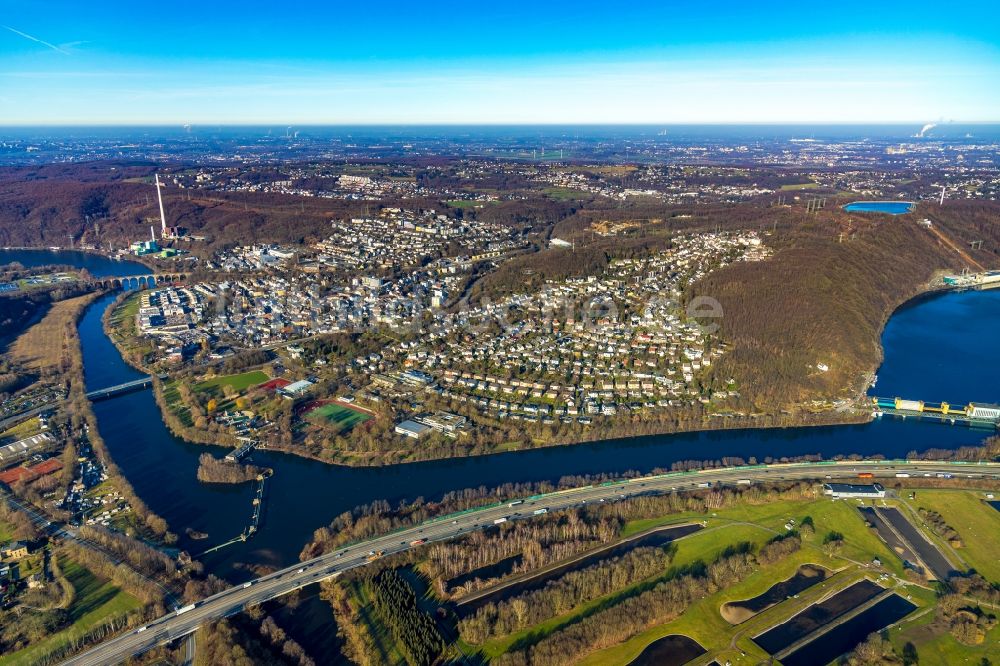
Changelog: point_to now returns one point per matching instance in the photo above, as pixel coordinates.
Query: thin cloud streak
(40, 41)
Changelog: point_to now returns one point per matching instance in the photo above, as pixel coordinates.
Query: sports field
(238, 382)
(337, 415)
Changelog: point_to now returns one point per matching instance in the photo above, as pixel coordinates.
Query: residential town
(579, 349)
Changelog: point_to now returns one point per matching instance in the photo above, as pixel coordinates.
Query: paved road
(189, 650)
(232, 601)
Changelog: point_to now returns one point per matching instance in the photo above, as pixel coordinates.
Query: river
(937, 348)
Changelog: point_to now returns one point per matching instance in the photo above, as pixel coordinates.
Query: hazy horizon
(62, 63)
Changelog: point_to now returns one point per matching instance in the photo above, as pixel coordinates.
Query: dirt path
(961, 252)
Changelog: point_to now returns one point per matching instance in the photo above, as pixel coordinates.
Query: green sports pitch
(337, 415)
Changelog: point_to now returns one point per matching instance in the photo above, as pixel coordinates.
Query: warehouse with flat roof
(849, 490)
(412, 429)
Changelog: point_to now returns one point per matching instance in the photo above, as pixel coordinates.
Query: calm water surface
(890, 207)
(98, 265)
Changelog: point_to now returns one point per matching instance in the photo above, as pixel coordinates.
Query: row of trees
(778, 548)
(284, 643)
(537, 542)
(124, 577)
(359, 646)
(379, 517)
(82, 419)
(937, 523)
(619, 622)
(414, 631)
(563, 594)
(231, 643)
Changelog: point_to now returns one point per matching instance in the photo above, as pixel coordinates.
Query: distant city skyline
(67, 63)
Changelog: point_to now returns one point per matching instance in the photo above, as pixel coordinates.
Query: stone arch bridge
(140, 281)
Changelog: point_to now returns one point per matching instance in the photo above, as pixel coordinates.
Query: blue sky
(179, 62)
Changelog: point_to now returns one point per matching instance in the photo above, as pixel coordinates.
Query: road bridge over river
(230, 602)
(99, 394)
(124, 387)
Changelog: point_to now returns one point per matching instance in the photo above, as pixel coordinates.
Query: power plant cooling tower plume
(163, 217)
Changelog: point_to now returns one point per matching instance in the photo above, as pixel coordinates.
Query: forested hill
(103, 202)
(824, 298)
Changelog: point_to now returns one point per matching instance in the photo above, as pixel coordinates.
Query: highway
(229, 602)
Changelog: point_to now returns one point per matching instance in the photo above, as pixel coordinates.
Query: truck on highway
(902, 475)
(184, 609)
(705, 484)
(500, 520)
(539, 512)
(744, 482)
(418, 542)
(247, 584)
(865, 475)
(374, 555)
(516, 502)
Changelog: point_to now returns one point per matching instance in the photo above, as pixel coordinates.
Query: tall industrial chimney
(163, 217)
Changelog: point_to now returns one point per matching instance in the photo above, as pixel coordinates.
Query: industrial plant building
(851, 490)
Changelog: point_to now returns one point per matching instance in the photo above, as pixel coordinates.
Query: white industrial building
(851, 490)
(982, 411)
(411, 429)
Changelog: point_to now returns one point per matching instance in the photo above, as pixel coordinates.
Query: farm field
(96, 601)
(566, 193)
(466, 204)
(42, 346)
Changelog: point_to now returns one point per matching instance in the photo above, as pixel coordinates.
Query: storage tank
(886, 402)
(910, 405)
